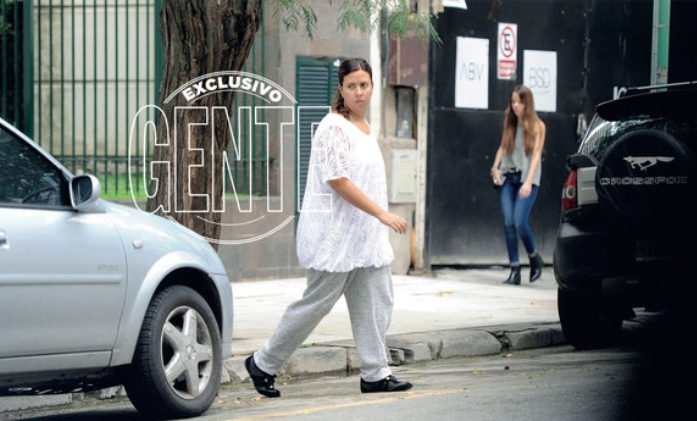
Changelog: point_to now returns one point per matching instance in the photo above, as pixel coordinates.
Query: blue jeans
(516, 212)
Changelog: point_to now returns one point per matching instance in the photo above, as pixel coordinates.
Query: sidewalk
(448, 313)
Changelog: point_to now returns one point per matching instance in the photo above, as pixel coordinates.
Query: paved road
(547, 384)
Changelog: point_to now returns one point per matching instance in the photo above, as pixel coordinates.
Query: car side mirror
(84, 191)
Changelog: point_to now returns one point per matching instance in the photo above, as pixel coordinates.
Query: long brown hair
(346, 67)
(529, 122)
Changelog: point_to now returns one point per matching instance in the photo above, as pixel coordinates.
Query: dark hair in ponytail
(346, 67)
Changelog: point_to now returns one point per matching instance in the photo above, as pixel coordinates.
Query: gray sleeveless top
(518, 159)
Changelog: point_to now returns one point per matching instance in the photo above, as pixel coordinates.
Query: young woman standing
(517, 169)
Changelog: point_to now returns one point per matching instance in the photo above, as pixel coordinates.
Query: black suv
(628, 230)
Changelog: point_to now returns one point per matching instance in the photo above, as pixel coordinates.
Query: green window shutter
(316, 82)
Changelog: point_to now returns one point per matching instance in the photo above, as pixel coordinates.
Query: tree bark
(198, 37)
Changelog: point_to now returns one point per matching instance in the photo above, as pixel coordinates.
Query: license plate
(648, 250)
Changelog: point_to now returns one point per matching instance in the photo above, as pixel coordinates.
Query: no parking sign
(507, 50)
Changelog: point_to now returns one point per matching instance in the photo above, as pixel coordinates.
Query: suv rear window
(601, 133)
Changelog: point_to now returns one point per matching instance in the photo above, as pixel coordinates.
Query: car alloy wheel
(177, 366)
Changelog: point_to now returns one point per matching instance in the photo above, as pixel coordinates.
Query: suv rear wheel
(586, 319)
(177, 365)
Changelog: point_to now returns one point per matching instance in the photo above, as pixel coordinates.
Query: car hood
(157, 236)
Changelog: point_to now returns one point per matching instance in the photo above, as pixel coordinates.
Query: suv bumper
(586, 255)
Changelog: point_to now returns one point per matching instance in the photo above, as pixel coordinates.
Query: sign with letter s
(540, 75)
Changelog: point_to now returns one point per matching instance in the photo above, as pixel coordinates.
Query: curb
(409, 348)
(341, 357)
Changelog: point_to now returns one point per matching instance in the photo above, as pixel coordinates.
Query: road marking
(394, 398)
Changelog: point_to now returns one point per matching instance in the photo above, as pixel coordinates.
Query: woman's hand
(525, 190)
(496, 176)
(396, 222)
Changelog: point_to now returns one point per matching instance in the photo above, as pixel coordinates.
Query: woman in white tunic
(342, 241)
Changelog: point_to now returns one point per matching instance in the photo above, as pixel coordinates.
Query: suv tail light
(569, 194)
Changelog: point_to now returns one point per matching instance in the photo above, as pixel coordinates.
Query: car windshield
(601, 133)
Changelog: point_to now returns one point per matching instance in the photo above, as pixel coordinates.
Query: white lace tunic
(333, 235)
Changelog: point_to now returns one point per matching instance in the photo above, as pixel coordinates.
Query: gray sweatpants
(370, 300)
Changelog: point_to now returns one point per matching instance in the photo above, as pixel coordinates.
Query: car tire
(177, 364)
(586, 319)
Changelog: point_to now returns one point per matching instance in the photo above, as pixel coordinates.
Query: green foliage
(116, 188)
(365, 15)
(401, 21)
(294, 12)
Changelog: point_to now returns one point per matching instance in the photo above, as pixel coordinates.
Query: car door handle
(3, 240)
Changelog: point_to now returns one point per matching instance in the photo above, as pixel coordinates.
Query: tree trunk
(198, 37)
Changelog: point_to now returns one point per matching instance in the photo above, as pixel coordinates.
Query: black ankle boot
(514, 277)
(536, 266)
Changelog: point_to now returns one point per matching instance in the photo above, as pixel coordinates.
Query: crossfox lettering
(639, 181)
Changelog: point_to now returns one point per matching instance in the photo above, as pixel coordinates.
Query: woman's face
(517, 105)
(357, 89)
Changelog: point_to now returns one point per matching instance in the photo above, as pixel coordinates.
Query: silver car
(95, 294)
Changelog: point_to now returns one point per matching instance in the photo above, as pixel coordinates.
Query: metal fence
(13, 20)
(75, 73)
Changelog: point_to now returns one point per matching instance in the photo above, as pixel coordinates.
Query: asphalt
(446, 313)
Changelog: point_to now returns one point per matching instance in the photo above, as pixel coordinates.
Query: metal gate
(14, 18)
(75, 74)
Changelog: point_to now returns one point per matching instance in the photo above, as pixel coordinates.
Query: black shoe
(536, 266)
(263, 382)
(514, 276)
(388, 384)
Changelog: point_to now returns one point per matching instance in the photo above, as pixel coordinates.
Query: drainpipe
(660, 42)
